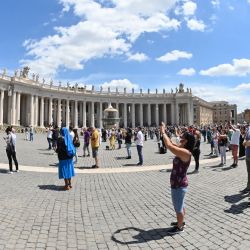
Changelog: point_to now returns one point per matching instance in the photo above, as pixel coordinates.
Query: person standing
(139, 145)
(66, 151)
(95, 143)
(241, 146)
(112, 139)
(178, 178)
(11, 148)
(86, 137)
(235, 140)
(196, 151)
(128, 142)
(246, 143)
(31, 133)
(76, 143)
(223, 144)
(49, 136)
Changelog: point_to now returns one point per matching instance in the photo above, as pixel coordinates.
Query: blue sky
(133, 43)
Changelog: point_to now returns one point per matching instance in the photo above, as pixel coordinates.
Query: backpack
(76, 142)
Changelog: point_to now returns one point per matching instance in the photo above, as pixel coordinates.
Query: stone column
(164, 113)
(36, 111)
(133, 114)
(125, 118)
(50, 111)
(157, 114)
(59, 112)
(172, 114)
(177, 113)
(13, 109)
(100, 115)
(141, 115)
(1, 106)
(42, 112)
(67, 113)
(76, 115)
(18, 103)
(190, 114)
(149, 115)
(31, 110)
(84, 114)
(92, 114)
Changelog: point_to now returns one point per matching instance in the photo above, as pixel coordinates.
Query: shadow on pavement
(121, 158)
(235, 198)
(165, 170)
(4, 171)
(130, 165)
(142, 235)
(236, 208)
(51, 187)
(54, 165)
(193, 172)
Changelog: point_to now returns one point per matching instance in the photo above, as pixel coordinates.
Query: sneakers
(176, 230)
(10, 172)
(139, 164)
(17, 171)
(196, 171)
(129, 157)
(234, 165)
(175, 223)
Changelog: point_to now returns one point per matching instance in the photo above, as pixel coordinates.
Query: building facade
(224, 112)
(203, 112)
(30, 102)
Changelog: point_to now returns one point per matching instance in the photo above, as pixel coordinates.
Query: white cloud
(215, 3)
(187, 72)
(242, 87)
(102, 31)
(139, 57)
(120, 84)
(220, 92)
(239, 67)
(189, 8)
(174, 56)
(194, 24)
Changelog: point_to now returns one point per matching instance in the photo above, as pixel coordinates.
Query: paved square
(119, 210)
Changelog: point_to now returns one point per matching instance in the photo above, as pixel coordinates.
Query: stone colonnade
(44, 106)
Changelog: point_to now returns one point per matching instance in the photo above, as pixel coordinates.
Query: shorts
(234, 151)
(178, 195)
(94, 152)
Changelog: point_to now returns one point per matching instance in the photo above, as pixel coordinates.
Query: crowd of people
(186, 144)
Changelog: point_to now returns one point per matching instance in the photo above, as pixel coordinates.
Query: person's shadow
(51, 187)
(141, 236)
(236, 208)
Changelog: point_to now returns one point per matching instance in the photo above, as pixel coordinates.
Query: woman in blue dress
(66, 151)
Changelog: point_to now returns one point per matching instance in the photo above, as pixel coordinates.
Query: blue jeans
(178, 195)
(31, 136)
(128, 146)
(139, 150)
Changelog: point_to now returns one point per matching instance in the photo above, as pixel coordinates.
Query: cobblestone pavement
(36, 154)
(123, 210)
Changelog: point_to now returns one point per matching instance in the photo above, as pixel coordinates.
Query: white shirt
(235, 139)
(72, 134)
(139, 139)
(49, 134)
